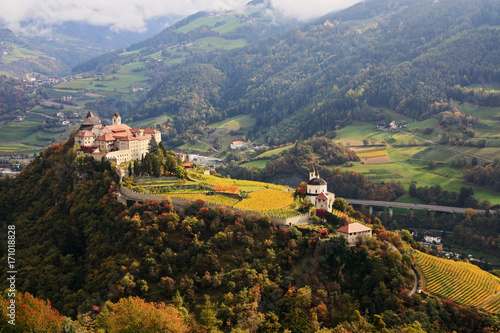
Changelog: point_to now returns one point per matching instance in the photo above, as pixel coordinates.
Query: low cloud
(310, 9)
(133, 14)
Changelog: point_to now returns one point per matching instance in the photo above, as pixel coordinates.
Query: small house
(354, 231)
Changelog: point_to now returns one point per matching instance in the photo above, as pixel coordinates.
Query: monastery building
(117, 142)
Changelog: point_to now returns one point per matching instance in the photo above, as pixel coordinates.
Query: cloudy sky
(132, 14)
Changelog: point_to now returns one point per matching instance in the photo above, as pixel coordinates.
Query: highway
(435, 208)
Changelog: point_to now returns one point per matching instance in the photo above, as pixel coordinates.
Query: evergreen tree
(153, 146)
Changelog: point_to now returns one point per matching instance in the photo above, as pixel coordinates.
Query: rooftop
(353, 227)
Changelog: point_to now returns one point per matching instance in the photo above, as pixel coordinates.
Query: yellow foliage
(266, 199)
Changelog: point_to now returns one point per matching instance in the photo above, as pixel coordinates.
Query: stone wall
(180, 204)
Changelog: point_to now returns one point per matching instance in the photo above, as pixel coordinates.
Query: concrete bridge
(411, 206)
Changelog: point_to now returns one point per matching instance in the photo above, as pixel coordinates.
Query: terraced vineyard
(216, 199)
(266, 199)
(462, 282)
(493, 305)
(244, 185)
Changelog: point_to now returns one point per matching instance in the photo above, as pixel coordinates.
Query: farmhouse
(117, 142)
(354, 231)
(238, 144)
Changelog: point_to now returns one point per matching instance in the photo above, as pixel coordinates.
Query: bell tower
(312, 173)
(117, 120)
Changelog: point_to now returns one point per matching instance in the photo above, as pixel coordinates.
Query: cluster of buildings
(318, 194)
(392, 126)
(117, 142)
(211, 162)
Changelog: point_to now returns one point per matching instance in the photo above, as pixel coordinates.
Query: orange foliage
(230, 189)
(31, 315)
(135, 315)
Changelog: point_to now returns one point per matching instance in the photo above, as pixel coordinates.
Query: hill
(51, 54)
(203, 32)
(91, 256)
(313, 80)
(70, 230)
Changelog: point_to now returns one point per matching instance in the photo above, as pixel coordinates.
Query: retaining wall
(180, 204)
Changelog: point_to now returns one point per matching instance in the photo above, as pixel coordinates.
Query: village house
(238, 144)
(352, 232)
(117, 142)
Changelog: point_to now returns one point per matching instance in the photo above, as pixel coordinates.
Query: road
(435, 208)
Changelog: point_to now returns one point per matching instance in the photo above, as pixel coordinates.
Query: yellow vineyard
(244, 185)
(266, 199)
(216, 199)
(376, 153)
(462, 282)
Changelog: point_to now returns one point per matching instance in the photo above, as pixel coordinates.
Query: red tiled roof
(353, 227)
(132, 138)
(106, 137)
(84, 134)
(145, 130)
(118, 128)
(188, 164)
(322, 196)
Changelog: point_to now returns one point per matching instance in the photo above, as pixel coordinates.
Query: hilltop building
(354, 231)
(117, 142)
(317, 192)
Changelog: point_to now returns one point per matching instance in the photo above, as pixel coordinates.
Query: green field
(149, 123)
(358, 131)
(406, 172)
(244, 122)
(259, 164)
(198, 146)
(273, 152)
(119, 82)
(225, 23)
(490, 119)
(223, 128)
(210, 43)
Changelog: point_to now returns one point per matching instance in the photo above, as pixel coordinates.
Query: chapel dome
(316, 181)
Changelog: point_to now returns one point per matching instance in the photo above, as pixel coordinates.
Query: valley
(241, 170)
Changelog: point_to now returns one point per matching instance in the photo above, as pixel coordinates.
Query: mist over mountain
(401, 55)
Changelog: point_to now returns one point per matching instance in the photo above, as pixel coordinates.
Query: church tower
(312, 173)
(117, 120)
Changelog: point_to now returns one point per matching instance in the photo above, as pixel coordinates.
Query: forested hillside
(219, 271)
(13, 96)
(402, 55)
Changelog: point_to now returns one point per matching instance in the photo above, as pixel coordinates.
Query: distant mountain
(402, 55)
(50, 54)
(108, 39)
(53, 53)
(203, 32)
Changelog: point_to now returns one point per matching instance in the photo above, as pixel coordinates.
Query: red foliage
(33, 314)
